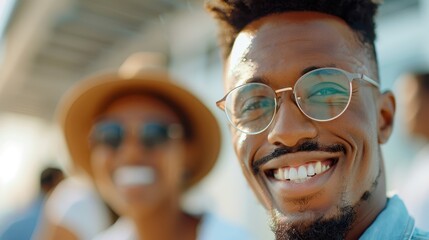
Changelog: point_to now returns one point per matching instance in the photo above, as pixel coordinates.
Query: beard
(332, 228)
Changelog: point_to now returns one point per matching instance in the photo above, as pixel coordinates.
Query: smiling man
(308, 116)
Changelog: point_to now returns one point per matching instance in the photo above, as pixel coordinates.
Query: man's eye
(327, 92)
(327, 89)
(257, 103)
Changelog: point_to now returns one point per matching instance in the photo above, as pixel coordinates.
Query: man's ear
(386, 112)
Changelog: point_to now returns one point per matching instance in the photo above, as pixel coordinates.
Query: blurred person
(145, 141)
(74, 211)
(308, 117)
(22, 224)
(414, 88)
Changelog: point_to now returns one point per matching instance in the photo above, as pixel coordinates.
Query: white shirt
(76, 205)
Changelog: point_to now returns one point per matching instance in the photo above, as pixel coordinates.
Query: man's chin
(335, 227)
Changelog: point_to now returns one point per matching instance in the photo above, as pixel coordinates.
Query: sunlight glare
(11, 159)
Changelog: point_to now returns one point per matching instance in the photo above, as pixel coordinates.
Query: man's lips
(319, 151)
(299, 164)
(301, 172)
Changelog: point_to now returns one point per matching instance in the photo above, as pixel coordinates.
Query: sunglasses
(150, 135)
(322, 95)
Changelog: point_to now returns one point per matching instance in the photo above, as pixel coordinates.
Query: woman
(144, 141)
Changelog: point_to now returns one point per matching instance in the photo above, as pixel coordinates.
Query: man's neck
(368, 210)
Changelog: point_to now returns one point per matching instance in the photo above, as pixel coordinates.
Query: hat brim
(78, 108)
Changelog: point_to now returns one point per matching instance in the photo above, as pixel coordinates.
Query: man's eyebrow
(257, 80)
(311, 68)
(266, 81)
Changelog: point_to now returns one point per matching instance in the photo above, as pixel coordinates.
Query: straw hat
(78, 107)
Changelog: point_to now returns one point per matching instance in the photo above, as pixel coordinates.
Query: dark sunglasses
(150, 135)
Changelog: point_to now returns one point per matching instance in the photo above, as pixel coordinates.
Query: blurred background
(47, 45)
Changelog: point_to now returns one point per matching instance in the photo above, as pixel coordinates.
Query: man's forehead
(237, 65)
(267, 30)
(280, 32)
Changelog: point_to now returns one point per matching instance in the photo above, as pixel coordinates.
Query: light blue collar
(393, 222)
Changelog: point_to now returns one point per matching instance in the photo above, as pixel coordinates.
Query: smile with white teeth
(302, 173)
(134, 175)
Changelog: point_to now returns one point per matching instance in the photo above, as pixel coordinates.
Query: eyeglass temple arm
(221, 103)
(370, 80)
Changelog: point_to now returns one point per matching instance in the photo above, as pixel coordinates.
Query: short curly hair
(234, 15)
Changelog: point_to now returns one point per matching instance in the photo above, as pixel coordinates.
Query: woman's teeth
(301, 173)
(134, 175)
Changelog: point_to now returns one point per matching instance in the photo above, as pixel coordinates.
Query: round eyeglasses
(322, 95)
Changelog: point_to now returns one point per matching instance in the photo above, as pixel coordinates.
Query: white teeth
(318, 168)
(286, 173)
(134, 175)
(293, 174)
(302, 172)
(278, 174)
(310, 170)
(301, 180)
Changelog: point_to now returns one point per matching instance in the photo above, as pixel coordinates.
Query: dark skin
(277, 50)
(153, 207)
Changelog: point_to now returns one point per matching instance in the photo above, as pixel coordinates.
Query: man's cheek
(239, 140)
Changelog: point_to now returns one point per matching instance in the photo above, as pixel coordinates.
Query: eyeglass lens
(112, 134)
(321, 94)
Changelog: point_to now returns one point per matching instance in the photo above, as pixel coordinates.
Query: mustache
(307, 146)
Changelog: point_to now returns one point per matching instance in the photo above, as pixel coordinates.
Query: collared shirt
(393, 223)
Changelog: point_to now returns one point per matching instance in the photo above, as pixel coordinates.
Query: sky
(6, 7)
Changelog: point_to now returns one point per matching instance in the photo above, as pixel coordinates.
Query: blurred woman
(144, 140)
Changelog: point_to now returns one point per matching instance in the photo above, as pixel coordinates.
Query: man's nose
(290, 125)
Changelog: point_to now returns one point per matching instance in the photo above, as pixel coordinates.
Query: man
(308, 116)
(414, 90)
